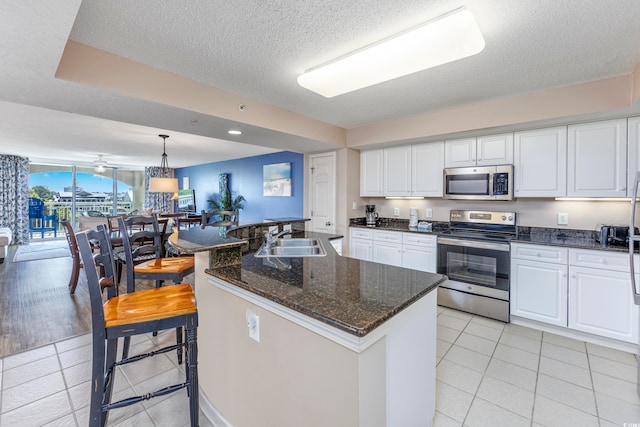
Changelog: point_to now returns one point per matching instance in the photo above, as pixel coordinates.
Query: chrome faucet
(269, 238)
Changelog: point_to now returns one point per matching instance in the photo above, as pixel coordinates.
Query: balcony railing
(64, 212)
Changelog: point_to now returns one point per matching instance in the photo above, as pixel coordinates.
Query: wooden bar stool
(143, 254)
(128, 315)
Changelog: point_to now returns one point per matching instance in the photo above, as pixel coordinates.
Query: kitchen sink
(292, 248)
(294, 242)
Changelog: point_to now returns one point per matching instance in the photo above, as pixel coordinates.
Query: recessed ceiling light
(235, 132)
(447, 38)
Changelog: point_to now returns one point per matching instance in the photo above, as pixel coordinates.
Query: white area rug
(42, 250)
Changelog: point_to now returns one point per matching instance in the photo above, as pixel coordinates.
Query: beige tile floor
(488, 374)
(494, 374)
(50, 386)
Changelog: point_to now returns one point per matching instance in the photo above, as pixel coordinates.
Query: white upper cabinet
(495, 150)
(482, 151)
(597, 155)
(540, 162)
(427, 162)
(372, 173)
(460, 152)
(634, 152)
(397, 171)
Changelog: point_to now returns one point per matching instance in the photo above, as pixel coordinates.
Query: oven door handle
(474, 244)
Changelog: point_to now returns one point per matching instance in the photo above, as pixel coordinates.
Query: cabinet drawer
(539, 253)
(387, 236)
(602, 260)
(361, 233)
(427, 241)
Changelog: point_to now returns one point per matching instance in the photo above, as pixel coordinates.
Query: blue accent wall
(245, 178)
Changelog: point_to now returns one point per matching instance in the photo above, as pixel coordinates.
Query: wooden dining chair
(127, 315)
(143, 252)
(75, 254)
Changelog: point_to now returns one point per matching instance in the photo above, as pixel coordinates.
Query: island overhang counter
(335, 340)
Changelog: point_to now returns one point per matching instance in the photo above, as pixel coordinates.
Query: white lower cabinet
(387, 247)
(419, 252)
(409, 250)
(361, 244)
(539, 285)
(584, 290)
(600, 300)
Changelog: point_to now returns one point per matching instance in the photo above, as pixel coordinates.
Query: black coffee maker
(371, 215)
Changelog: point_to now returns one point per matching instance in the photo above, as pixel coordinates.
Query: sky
(56, 181)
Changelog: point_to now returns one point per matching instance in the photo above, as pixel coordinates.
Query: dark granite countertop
(196, 239)
(580, 239)
(352, 295)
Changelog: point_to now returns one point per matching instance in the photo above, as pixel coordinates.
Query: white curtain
(14, 196)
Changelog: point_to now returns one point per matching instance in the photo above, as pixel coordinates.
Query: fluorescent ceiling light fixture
(235, 132)
(445, 39)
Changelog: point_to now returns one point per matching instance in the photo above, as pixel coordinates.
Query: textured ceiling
(257, 49)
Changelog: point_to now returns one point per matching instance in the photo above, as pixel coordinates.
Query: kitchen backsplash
(584, 215)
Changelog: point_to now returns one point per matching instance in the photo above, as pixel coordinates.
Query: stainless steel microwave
(479, 183)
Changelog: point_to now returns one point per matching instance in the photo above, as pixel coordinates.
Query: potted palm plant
(226, 202)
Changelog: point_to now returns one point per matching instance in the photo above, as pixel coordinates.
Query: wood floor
(35, 305)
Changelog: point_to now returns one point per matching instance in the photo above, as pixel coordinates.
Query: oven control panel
(483, 217)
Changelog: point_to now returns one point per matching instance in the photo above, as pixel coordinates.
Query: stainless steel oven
(475, 256)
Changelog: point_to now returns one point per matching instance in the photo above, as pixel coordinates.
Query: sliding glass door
(74, 191)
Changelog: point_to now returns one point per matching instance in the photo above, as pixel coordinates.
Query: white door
(323, 192)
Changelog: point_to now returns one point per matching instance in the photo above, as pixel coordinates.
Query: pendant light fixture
(163, 183)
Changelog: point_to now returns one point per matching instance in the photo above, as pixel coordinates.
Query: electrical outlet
(563, 218)
(253, 323)
(428, 213)
(354, 206)
(396, 211)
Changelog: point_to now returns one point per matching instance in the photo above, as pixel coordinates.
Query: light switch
(428, 213)
(396, 211)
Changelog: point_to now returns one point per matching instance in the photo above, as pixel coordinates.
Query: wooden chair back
(71, 238)
(142, 240)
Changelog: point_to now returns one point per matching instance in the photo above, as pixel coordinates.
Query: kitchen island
(334, 340)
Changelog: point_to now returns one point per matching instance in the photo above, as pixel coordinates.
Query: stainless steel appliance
(634, 237)
(479, 183)
(475, 256)
(371, 215)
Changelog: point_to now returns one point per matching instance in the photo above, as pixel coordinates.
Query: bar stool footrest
(131, 400)
(150, 354)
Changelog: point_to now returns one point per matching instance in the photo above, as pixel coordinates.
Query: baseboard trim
(211, 412)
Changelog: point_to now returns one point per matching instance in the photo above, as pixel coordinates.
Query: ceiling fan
(100, 164)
